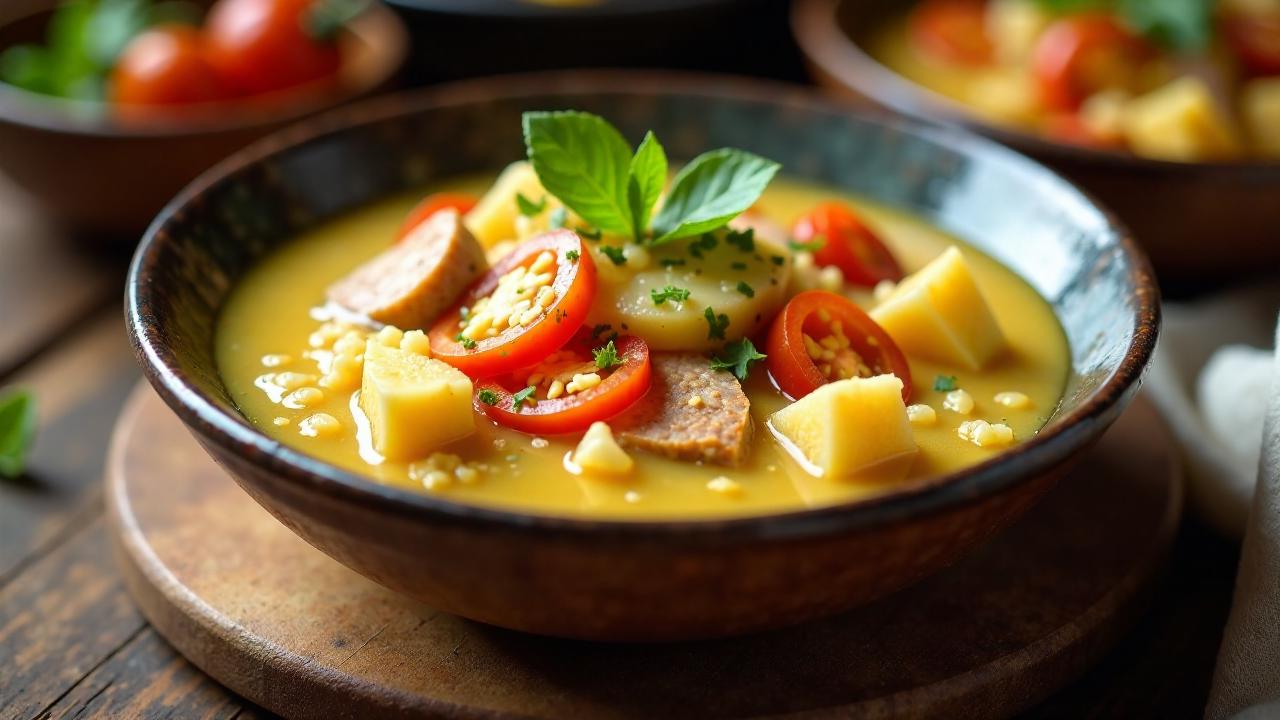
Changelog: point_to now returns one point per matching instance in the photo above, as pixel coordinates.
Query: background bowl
(638, 580)
(1201, 223)
(104, 177)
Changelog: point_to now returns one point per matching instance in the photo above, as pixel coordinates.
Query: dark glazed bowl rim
(230, 433)
(827, 47)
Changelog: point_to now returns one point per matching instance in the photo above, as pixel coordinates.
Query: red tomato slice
(1256, 40)
(870, 350)
(434, 203)
(954, 31)
(1070, 128)
(621, 387)
(848, 244)
(520, 346)
(1079, 55)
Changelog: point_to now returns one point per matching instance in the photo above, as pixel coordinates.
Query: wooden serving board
(287, 627)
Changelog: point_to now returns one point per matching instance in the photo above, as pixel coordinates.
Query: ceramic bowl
(618, 580)
(108, 177)
(1201, 223)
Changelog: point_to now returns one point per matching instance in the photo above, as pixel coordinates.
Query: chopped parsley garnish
(467, 342)
(746, 289)
(705, 243)
(572, 256)
(559, 216)
(716, 324)
(670, 292)
(607, 356)
(529, 208)
(738, 265)
(814, 245)
(744, 240)
(488, 397)
(671, 262)
(17, 431)
(522, 397)
(777, 260)
(944, 383)
(590, 233)
(599, 330)
(614, 253)
(737, 358)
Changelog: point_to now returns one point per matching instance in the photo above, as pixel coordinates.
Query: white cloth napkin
(1220, 392)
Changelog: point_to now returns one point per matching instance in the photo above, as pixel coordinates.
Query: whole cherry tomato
(954, 31)
(1256, 41)
(1078, 56)
(434, 203)
(165, 66)
(260, 46)
(846, 243)
(861, 349)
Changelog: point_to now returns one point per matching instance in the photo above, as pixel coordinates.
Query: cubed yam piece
(599, 454)
(415, 404)
(939, 313)
(1014, 27)
(415, 280)
(1260, 106)
(1180, 121)
(849, 425)
(1005, 95)
(493, 219)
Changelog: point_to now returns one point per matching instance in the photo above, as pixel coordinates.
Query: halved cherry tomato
(261, 46)
(621, 387)
(522, 345)
(1256, 40)
(848, 244)
(1079, 55)
(1070, 128)
(434, 203)
(952, 30)
(870, 350)
(165, 66)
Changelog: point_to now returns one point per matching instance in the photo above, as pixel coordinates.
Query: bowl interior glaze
(1039, 225)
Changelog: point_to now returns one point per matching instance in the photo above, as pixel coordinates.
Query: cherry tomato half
(1070, 128)
(260, 46)
(954, 31)
(518, 346)
(620, 388)
(434, 203)
(165, 66)
(1256, 41)
(848, 244)
(865, 349)
(1077, 56)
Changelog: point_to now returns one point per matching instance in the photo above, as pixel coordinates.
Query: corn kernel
(695, 401)
(276, 360)
(922, 415)
(320, 425)
(294, 380)
(1014, 400)
(724, 486)
(556, 390)
(466, 474)
(280, 421)
(416, 341)
(544, 262)
(436, 480)
(582, 382)
(303, 398)
(985, 434)
(958, 401)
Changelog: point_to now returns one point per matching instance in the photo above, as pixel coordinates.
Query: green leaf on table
(648, 177)
(17, 431)
(585, 162)
(710, 191)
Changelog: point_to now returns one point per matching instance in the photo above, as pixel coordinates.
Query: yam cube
(1260, 105)
(1014, 27)
(849, 425)
(939, 313)
(493, 219)
(1180, 121)
(599, 454)
(414, 403)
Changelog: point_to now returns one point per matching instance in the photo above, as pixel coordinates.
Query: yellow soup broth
(268, 322)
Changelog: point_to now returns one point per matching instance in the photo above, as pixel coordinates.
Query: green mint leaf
(529, 208)
(737, 358)
(648, 177)
(614, 253)
(522, 397)
(559, 216)
(746, 289)
(585, 162)
(710, 191)
(607, 356)
(17, 431)
(716, 324)
(944, 383)
(670, 292)
(1179, 24)
(488, 397)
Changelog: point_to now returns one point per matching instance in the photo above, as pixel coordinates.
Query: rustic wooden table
(73, 645)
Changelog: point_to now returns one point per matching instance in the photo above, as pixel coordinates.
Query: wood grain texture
(279, 622)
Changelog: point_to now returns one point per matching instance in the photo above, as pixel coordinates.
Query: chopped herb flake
(607, 356)
(671, 262)
(778, 260)
(746, 289)
(744, 240)
(670, 292)
(467, 342)
(590, 233)
(944, 383)
(599, 330)
(614, 254)
(522, 397)
(572, 256)
(716, 324)
(703, 244)
(737, 358)
(488, 397)
(738, 265)
(529, 208)
(814, 245)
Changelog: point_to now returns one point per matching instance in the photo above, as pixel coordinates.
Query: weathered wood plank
(46, 283)
(79, 386)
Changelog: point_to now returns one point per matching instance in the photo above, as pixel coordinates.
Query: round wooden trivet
(284, 625)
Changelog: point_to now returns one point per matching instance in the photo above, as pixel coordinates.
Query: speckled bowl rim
(231, 433)
(828, 47)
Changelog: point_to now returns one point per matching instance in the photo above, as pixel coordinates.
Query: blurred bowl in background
(107, 177)
(1201, 223)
